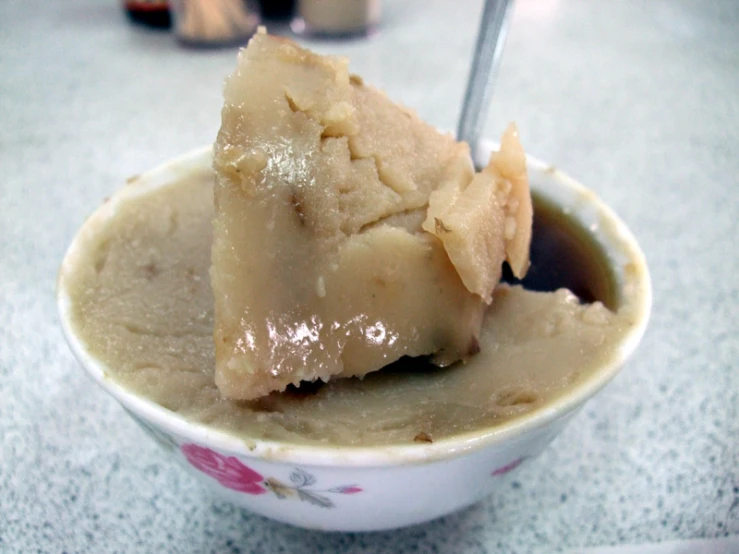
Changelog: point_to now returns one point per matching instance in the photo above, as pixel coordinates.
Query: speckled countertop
(638, 100)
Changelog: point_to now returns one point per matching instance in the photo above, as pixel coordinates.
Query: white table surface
(639, 100)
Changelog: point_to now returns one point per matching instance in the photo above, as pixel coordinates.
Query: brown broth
(564, 255)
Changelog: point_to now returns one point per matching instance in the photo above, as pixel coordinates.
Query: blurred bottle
(336, 18)
(152, 13)
(210, 23)
(277, 9)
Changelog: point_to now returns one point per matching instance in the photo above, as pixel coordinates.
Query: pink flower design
(234, 475)
(508, 467)
(227, 470)
(348, 489)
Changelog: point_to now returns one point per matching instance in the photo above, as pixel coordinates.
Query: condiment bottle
(336, 18)
(215, 22)
(153, 13)
(277, 9)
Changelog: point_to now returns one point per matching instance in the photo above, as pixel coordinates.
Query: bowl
(343, 488)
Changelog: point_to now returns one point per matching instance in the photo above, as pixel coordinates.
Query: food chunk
(485, 218)
(323, 265)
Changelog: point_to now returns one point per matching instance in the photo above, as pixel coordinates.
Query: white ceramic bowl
(373, 488)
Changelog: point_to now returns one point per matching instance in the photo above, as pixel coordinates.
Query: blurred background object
(215, 22)
(152, 13)
(276, 10)
(336, 18)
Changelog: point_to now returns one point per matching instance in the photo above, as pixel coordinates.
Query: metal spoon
(496, 18)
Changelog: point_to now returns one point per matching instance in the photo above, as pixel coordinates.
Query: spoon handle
(496, 18)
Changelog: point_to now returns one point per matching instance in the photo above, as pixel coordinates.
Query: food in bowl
(143, 305)
(138, 309)
(341, 235)
(407, 473)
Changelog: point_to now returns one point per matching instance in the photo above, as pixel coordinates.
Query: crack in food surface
(142, 331)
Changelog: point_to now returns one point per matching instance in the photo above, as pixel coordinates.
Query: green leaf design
(315, 499)
(302, 478)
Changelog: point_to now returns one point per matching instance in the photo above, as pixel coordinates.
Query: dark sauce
(564, 255)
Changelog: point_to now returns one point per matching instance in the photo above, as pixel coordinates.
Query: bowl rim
(639, 300)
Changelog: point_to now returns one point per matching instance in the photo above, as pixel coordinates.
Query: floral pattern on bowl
(508, 467)
(234, 475)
